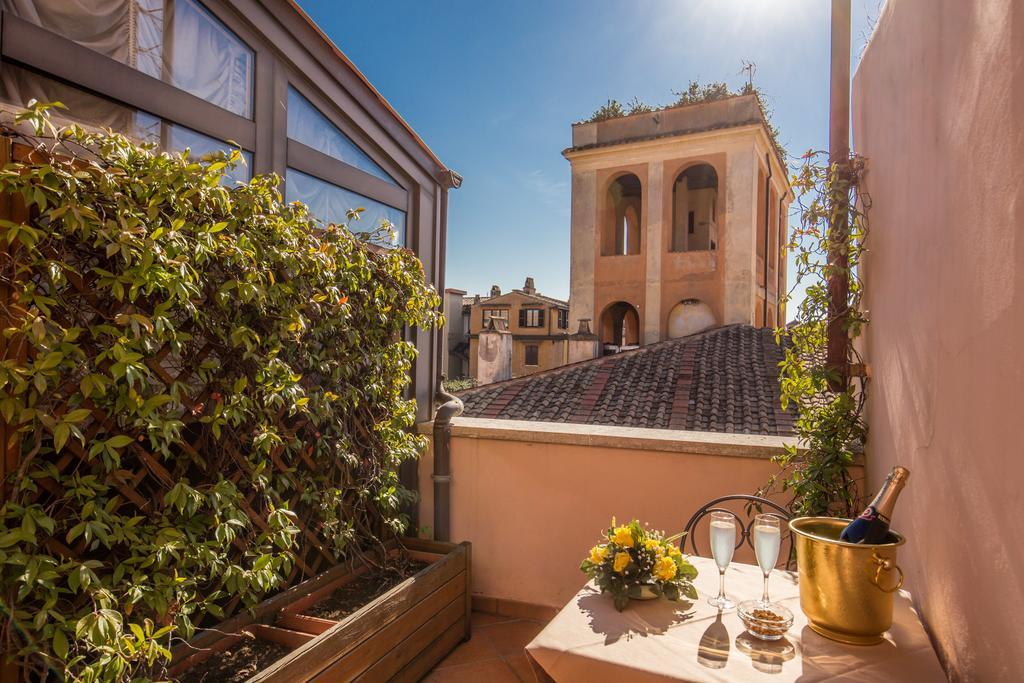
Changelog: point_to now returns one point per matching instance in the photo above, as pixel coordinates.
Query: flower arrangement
(633, 558)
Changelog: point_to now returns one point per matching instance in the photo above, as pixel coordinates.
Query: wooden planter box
(400, 635)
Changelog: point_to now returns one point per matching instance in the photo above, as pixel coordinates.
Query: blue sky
(493, 88)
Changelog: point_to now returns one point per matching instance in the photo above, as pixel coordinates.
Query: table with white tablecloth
(658, 640)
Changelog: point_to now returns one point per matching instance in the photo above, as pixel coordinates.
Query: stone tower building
(677, 218)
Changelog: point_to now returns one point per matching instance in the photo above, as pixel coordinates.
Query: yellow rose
(623, 536)
(674, 551)
(622, 561)
(665, 569)
(598, 554)
(654, 546)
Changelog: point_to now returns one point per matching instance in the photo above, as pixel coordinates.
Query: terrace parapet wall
(533, 497)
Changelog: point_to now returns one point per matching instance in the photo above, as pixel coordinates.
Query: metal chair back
(754, 505)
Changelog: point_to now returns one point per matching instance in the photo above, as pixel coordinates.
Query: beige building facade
(678, 218)
(539, 326)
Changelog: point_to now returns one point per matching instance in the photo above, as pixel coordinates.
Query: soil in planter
(237, 663)
(361, 590)
(249, 656)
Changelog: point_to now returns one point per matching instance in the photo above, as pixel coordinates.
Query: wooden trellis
(144, 478)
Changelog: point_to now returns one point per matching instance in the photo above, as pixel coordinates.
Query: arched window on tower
(620, 326)
(621, 233)
(695, 209)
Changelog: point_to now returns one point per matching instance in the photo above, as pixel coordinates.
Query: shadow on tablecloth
(640, 619)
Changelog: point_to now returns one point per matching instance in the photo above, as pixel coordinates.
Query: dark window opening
(695, 209)
(621, 234)
(532, 354)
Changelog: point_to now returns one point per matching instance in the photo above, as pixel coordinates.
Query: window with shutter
(531, 317)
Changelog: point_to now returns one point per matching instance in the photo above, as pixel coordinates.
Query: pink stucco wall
(939, 113)
(533, 508)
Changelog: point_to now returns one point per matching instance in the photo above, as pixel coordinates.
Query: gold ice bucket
(845, 588)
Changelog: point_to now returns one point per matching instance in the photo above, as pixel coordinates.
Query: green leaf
(60, 644)
(119, 441)
(77, 415)
(60, 435)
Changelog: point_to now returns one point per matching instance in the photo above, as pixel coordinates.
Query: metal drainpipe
(450, 407)
(767, 234)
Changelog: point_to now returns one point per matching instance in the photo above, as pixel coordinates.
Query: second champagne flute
(767, 539)
(723, 543)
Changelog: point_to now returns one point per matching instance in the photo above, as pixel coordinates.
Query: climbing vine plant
(830, 423)
(207, 386)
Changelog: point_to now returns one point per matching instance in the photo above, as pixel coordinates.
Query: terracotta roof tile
(722, 380)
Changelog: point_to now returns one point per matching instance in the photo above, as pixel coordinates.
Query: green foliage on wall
(830, 425)
(208, 375)
(459, 384)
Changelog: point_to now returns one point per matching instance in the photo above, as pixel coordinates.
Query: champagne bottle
(873, 523)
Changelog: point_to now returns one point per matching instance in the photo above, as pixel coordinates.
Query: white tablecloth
(657, 640)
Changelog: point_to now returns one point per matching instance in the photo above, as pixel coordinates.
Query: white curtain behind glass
(197, 54)
(331, 204)
(306, 124)
(18, 86)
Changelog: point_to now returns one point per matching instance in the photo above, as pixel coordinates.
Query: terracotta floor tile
(485, 619)
(476, 649)
(521, 665)
(491, 671)
(511, 637)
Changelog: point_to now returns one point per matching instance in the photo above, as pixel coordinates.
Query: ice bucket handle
(885, 565)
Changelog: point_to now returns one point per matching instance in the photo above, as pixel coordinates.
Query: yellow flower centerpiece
(636, 562)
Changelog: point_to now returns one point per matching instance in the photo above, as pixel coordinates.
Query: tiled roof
(470, 300)
(545, 299)
(721, 380)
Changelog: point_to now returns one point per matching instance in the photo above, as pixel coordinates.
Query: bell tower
(677, 220)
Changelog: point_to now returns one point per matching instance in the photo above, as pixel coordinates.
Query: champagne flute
(723, 543)
(767, 539)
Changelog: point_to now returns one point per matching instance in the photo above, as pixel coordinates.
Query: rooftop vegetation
(695, 93)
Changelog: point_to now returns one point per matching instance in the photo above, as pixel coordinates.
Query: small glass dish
(767, 622)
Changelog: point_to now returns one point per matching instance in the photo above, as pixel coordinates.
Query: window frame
(264, 136)
(61, 58)
(524, 317)
(487, 313)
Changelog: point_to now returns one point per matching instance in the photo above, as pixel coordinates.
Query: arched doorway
(689, 317)
(695, 209)
(621, 230)
(620, 325)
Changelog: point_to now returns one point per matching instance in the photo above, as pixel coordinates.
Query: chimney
(583, 345)
(495, 290)
(529, 288)
(494, 353)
